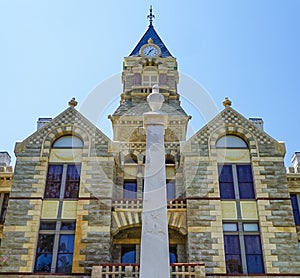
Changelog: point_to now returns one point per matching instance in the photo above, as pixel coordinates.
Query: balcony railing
(177, 270)
(138, 204)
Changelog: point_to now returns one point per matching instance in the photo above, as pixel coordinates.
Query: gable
(68, 122)
(230, 121)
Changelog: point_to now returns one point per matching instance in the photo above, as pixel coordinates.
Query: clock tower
(149, 63)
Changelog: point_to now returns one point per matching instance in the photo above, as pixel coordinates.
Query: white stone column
(154, 258)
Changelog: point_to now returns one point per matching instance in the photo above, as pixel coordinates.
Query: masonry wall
(93, 211)
(204, 211)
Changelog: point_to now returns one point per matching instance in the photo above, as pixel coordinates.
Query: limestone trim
(64, 130)
(239, 131)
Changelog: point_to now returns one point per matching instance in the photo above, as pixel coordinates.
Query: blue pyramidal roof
(151, 33)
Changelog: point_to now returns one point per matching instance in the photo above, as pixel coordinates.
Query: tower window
(150, 80)
(130, 189)
(170, 189)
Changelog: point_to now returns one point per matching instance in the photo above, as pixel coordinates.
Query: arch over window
(130, 158)
(68, 142)
(231, 141)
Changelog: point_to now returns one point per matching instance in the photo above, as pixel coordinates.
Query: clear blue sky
(52, 50)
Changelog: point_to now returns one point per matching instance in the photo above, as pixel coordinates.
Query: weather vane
(151, 16)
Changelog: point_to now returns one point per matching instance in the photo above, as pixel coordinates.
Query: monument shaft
(155, 242)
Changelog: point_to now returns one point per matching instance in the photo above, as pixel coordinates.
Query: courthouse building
(73, 205)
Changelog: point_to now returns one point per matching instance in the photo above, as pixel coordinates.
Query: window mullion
(242, 246)
(63, 182)
(58, 223)
(235, 182)
(55, 246)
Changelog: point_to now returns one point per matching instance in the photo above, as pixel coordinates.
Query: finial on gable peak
(227, 102)
(73, 102)
(150, 16)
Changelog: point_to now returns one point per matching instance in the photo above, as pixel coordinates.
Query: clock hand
(150, 51)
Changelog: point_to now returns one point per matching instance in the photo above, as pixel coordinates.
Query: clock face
(150, 51)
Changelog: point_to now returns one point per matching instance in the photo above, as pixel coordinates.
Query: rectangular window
(55, 247)
(173, 254)
(295, 204)
(253, 254)
(236, 182)
(3, 206)
(130, 189)
(243, 252)
(63, 179)
(232, 254)
(150, 80)
(72, 182)
(44, 253)
(245, 181)
(226, 182)
(171, 190)
(53, 183)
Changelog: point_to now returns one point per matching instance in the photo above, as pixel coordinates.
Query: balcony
(127, 213)
(178, 270)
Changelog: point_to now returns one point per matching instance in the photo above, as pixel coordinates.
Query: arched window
(68, 142)
(242, 242)
(54, 253)
(232, 142)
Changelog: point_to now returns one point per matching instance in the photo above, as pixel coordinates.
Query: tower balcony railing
(177, 270)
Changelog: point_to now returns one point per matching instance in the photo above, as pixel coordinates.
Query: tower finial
(151, 16)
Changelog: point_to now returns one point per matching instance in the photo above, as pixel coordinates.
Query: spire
(150, 16)
(151, 33)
